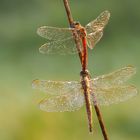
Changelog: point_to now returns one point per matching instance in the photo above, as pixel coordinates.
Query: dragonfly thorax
(85, 79)
(80, 29)
(85, 83)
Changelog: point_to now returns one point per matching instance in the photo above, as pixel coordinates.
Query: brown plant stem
(98, 113)
(71, 23)
(100, 119)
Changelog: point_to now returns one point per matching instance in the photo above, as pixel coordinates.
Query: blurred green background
(20, 63)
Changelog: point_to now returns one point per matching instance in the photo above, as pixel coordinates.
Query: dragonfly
(61, 40)
(68, 95)
(72, 95)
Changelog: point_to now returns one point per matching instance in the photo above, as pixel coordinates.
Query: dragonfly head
(85, 73)
(75, 24)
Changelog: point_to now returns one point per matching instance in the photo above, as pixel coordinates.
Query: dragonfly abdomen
(85, 85)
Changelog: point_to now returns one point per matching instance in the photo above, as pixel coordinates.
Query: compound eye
(77, 23)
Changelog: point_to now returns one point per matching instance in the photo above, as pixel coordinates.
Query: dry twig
(71, 22)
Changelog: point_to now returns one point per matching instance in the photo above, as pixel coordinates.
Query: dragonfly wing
(53, 33)
(115, 94)
(117, 77)
(62, 47)
(94, 38)
(99, 23)
(57, 87)
(95, 28)
(70, 102)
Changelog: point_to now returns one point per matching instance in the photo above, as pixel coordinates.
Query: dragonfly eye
(75, 24)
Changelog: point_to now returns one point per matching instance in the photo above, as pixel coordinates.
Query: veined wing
(54, 34)
(60, 40)
(69, 96)
(57, 87)
(94, 38)
(69, 102)
(95, 28)
(62, 47)
(115, 78)
(111, 95)
(99, 23)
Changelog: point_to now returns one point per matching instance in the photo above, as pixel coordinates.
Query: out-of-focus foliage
(20, 63)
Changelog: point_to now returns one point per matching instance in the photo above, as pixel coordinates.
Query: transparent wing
(115, 78)
(94, 38)
(114, 94)
(69, 96)
(70, 102)
(95, 29)
(62, 47)
(60, 40)
(99, 23)
(57, 87)
(53, 33)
